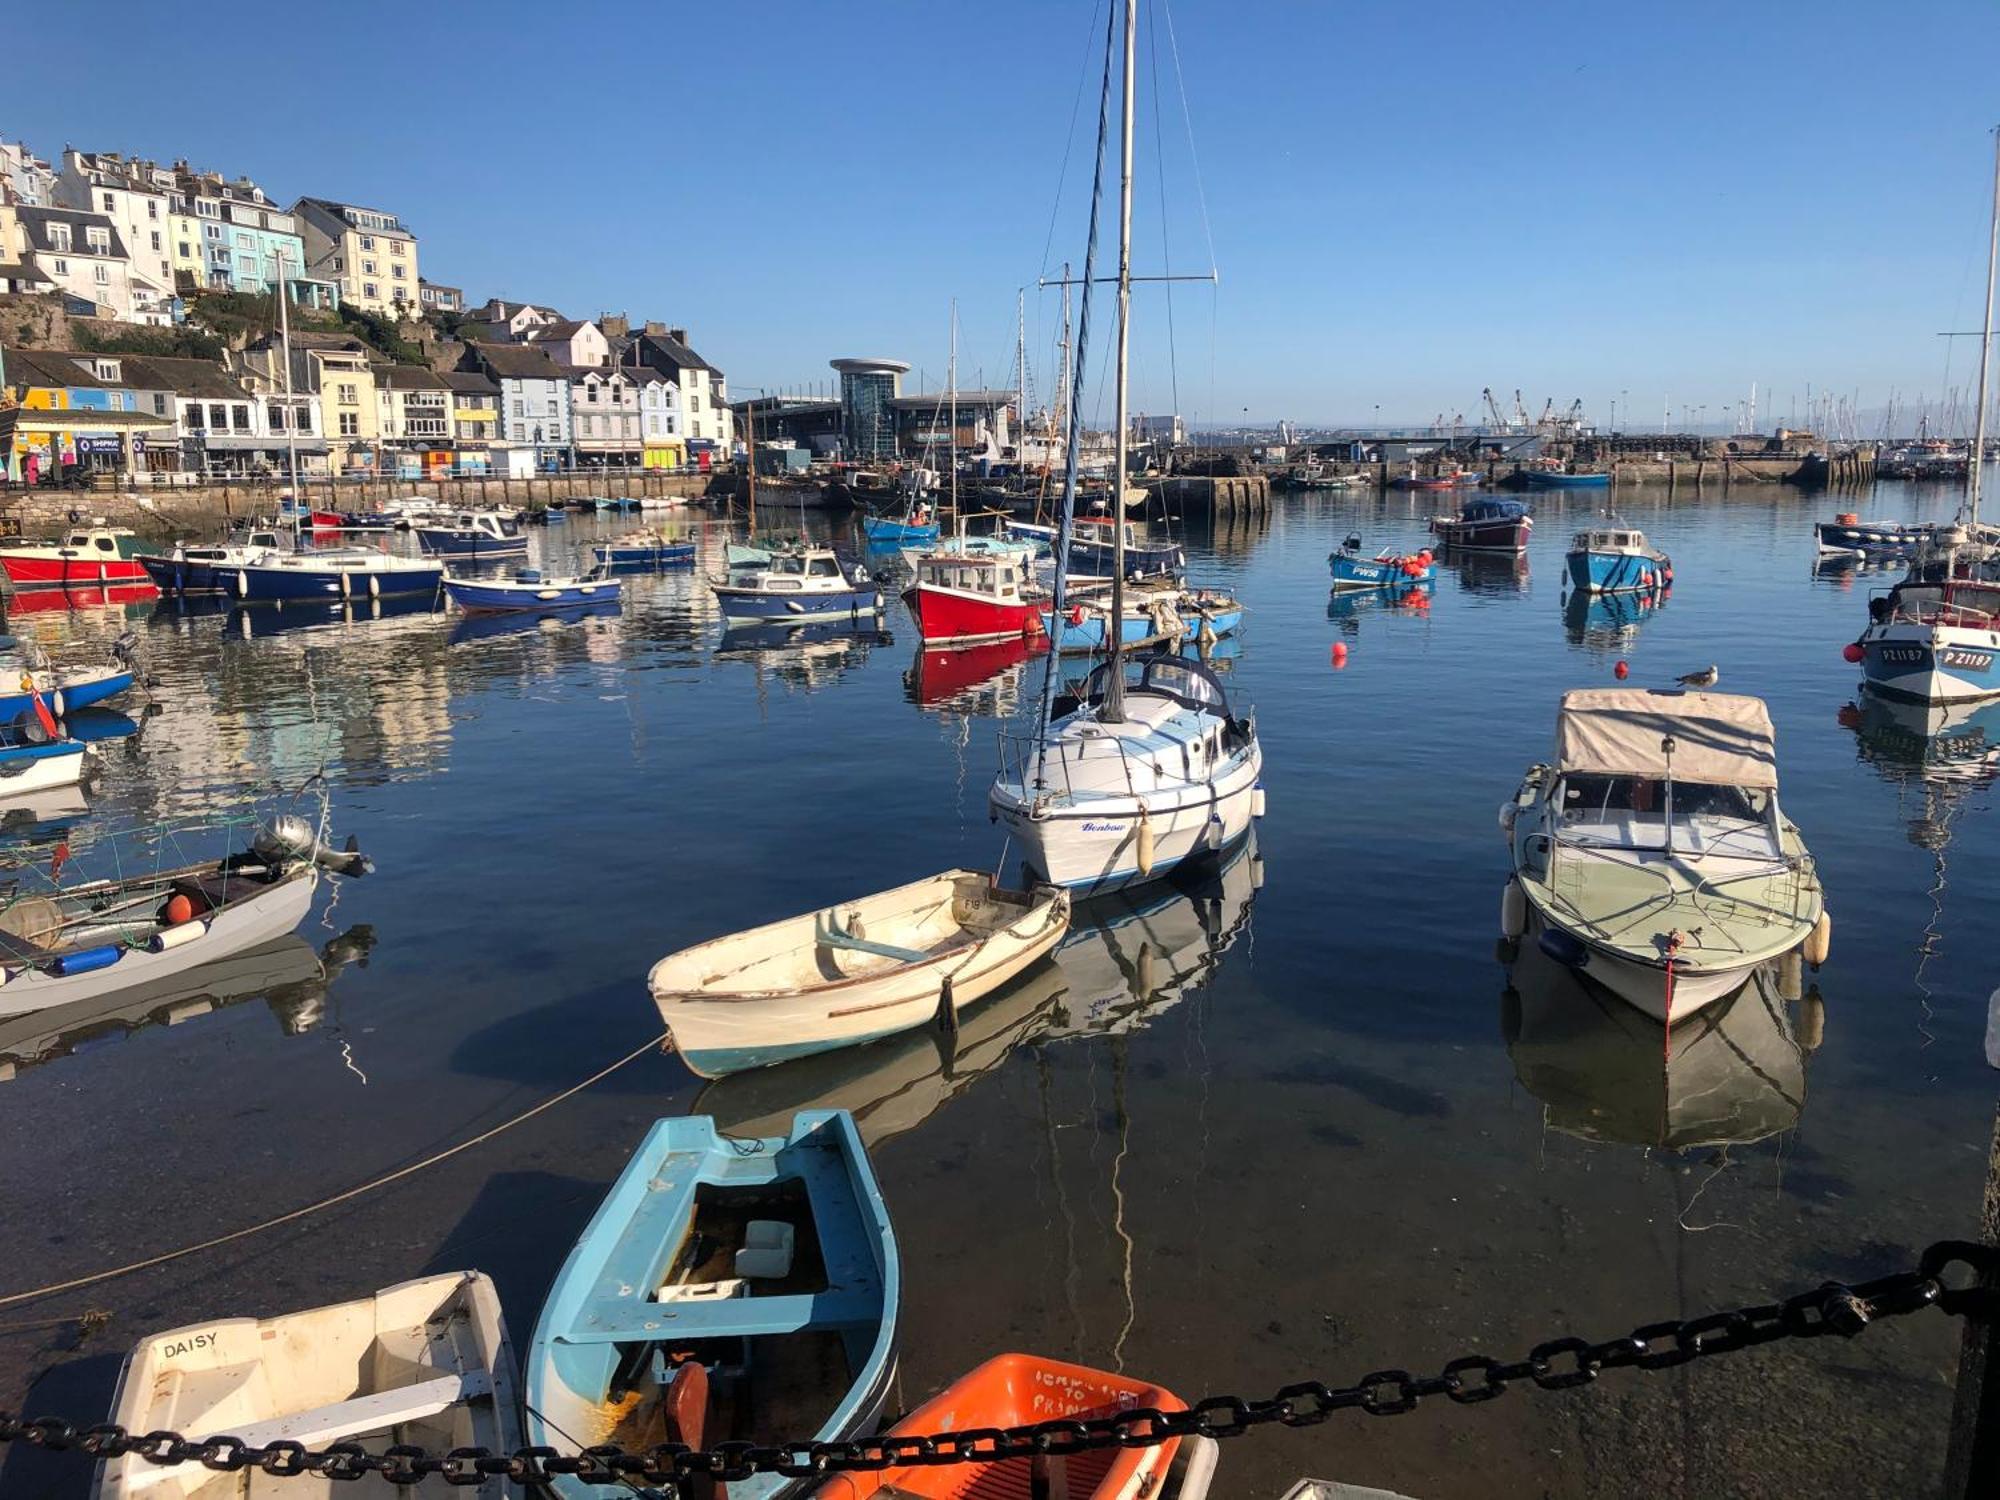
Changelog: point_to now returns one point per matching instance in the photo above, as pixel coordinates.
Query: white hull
(43, 774)
(1093, 844)
(1644, 986)
(242, 924)
(1932, 663)
(776, 992)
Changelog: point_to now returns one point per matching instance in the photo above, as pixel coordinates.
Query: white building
(705, 420)
(662, 442)
(604, 405)
(131, 195)
(84, 256)
(571, 342)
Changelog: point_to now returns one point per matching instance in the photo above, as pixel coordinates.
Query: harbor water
(1290, 1120)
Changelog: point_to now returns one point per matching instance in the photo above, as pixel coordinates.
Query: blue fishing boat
(645, 549)
(1613, 558)
(474, 534)
(1562, 479)
(357, 573)
(196, 569)
(34, 759)
(63, 689)
(918, 523)
(1164, 616)
(1092, 549)
(1387, 569)
(809, 583)
(725, 1290)
(529, 588)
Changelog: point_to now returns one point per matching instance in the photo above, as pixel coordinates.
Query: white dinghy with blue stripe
(852, 973)
(726, 1289)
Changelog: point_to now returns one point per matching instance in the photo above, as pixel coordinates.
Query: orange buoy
(1852, 652)
(179, 910)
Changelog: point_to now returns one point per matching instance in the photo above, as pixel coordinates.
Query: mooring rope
(12, 1298)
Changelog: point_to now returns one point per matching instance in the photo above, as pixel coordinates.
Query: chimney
(655, 328)
(678, 335)
(614, 325)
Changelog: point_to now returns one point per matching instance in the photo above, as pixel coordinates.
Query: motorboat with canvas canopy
(1653, 853)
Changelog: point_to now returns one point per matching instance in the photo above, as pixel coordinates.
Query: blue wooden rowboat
(31, 760)
(1385, 570)
(644, 550)
(1556, 479)
(530, 589)
(719, 1275)
(887, 531)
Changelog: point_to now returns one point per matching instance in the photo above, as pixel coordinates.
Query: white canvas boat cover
(1724, 739)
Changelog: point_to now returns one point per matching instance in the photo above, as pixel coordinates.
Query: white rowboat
(852, 973)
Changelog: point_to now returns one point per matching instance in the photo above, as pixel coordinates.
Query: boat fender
(1820, 940)
(242, 583)
(1565, 948)
(174, 937)
(347, 585)
(947, 1010)
(374, 586)
(1256, 872)
(85, 959)
(1257, 800)
(1145, 843)
(57, 703)
(1509, 811)
(1513, 909)
(1812, 1020)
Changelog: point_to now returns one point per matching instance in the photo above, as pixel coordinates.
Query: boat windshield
(1632, 812)
(788, 563)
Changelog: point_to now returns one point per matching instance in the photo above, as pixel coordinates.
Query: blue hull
(679, 554)
(1089, 635)
(256, 585)
(601, 1310)
(755, 604)
(446, 544)
(1571, 481)
(1617, 572)
(883, 533)
(501, 596)
(176, 577)
(65, 700)
(1368, 573)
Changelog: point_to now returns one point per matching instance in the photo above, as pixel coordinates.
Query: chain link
(1556, 1365)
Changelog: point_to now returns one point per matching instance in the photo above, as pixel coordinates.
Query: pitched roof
(563, 329)
(184, 377)
(674, 352)
(409, 378)
(471, 382)
(36, 222)
(55, 369)
(516, 361)
(302, 339)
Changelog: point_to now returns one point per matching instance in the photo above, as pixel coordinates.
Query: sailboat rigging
(1127, 780)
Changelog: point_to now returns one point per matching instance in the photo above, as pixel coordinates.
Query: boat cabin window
(78, 539)
(788, 564)
(822, 567)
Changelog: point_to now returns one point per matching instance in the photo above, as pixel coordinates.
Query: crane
(1493, 409)
(1520, 412)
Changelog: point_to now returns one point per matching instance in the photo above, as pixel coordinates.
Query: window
(368, 268)
(156, 239)
(109, 203)
(368, 290)
(103, 273)
(553, 407)
(241, 414)
(153, 211)
(186, 250)
(395, 247)
(194, 416)
(159, 404)
(274, 416)
(211, 231)
(350, 424)
(98, 238)
(347, 395)
(218, 418)
(367, 242)
(59, 236)
(246, 241)
(302, 418)
(105, 369)
(592, 388)
(396, 271)
(62, 268)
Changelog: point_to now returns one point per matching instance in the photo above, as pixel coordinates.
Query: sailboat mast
(1114, 694)
(291, 411)
(1020, 376)
(951, 442)
(1985, 345)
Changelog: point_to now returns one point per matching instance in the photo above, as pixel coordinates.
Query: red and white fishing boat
(85, 558)
(960, 598)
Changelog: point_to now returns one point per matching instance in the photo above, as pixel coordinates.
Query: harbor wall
(179, 509)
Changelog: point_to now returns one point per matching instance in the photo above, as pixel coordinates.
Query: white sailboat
(1135, 777)
(1935, 637)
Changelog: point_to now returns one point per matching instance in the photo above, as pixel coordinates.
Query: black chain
(1559, 1364)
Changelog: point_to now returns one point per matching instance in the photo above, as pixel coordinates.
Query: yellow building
(336, 365)
(368, 253)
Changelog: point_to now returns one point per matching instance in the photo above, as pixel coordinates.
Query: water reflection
(895, 1084)
(251, 622)
(485, 627)
(808, 656)
(1731, 1073)
(983, 679)
(287, 974)
(1610, 622)
(1132, 956)
(1348, 606)
(1487, 572)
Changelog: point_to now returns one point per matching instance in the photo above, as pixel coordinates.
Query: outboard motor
(291, 837)
(125, 652)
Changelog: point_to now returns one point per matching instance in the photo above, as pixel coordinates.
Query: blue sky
(1407, 202)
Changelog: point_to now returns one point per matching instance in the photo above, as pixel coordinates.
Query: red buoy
(1852, 652)
(1340, 653)
(1622, 670)
(179, 910)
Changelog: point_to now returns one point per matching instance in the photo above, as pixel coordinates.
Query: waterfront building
(706, 424)
(436, 297)
(923, 424)
(83, 256)
(413, 413)
(475, 421)
(223, 426)
(571, 341)
(605, 405)
(534, 399)
(337, 368)
(25, 179)
(230, 236)
(662, 444)
(867, 417)
(128, 193)
(367, 252)
(66, 408)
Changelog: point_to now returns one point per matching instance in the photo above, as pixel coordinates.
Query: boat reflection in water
(132, 601)
(38, 818)
(1348, 605)
(1136, 954)
(811, 655)
(286, 973)
(491, 625)
(982, 679)
(1487, 572)
(248, 622)
(1610, 621)
(897, 1083)
(1734, 1074)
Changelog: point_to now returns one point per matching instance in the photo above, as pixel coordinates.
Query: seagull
(1699, 680)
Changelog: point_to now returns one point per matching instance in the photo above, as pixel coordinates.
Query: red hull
(69, 572)
(1484, 536)
(80, 597)
(946, 615)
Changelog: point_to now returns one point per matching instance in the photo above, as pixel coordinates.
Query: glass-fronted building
(867, 417)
